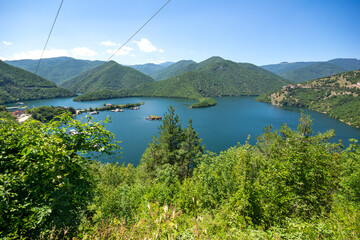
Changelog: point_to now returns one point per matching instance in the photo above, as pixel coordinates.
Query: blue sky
(255, 31)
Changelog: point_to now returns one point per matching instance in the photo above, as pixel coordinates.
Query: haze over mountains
(304, 71)
(58, 69)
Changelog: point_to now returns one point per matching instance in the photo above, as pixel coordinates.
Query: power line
(139, 30)
(57, 14)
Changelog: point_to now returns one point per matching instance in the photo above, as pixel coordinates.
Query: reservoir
(230, 122)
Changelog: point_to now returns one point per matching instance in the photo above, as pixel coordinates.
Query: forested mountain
(304, 71)
(17, 84)
(59, 69)
(337, 95)
(285, 66)
(313, 71)
(213, 77)
(109, 75)
(147, 68)
(349, 64)
(174, 70)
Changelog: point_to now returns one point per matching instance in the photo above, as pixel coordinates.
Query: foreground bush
(45, 185)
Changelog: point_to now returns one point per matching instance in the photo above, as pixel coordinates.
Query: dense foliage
(17, 85)
(48, 113)
(213, 77)
(337, 96)
(45, 184)
(109, 75)
(173, 153)
(292, 184)
(4, 113)
(59, 69)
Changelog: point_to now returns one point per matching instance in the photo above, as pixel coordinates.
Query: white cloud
(122, 52)
(36, 54)
(145, 45)
(108, 43)
(161, 50)
(7, 43)
(133, 55)
(83, 52)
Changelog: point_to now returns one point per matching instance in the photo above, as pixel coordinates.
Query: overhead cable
(47, 40)
(138, 30)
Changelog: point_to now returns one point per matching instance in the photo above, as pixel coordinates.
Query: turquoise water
(222, 126)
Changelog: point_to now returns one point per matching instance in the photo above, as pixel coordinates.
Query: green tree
(44, 183)
(298, 172)
(192, 150)
(175, 146)
(166, 149)
(350, 175)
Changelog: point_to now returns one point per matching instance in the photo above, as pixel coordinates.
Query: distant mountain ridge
(304, 71)
(17, 84)
(174, 70)
(149, 68)
(213, 77)
(312, 71)
(59, 69)
(109, 75)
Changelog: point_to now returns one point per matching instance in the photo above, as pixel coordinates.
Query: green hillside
(174, 70)
(337, 95)
(213, 77)
(313, 71)
(17, 84)
(58, 69)
(109, 75)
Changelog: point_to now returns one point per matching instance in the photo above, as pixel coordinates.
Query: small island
(204, 102)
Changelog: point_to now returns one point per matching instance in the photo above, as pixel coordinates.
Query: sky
(254, 31)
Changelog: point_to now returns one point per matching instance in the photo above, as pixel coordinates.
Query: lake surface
(222, 126)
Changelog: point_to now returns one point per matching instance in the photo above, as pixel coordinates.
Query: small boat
(93, 113)
(134, 108)
(117, 110)
(152, 117)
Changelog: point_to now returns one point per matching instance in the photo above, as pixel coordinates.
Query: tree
(350, 175)
(175, 146)
(44, 183)
(298, 172)
(192, 148)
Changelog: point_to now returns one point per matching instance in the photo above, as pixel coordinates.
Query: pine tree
(192, 149)
(175, 146)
